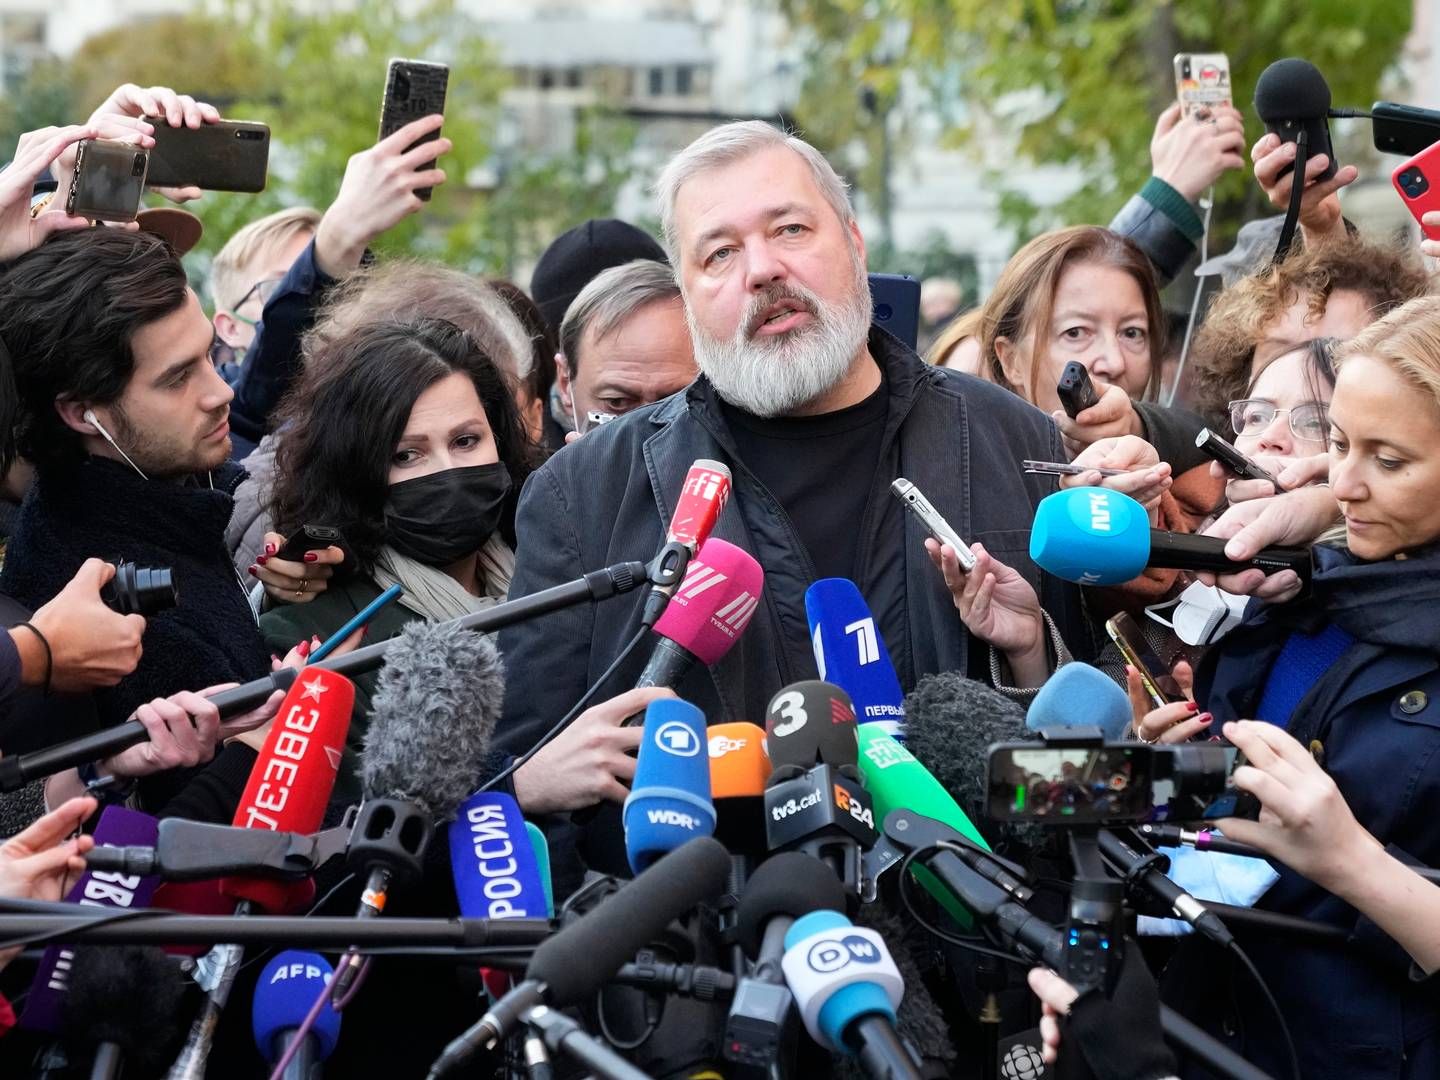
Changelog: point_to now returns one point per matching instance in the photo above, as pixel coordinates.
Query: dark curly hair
(340, 423)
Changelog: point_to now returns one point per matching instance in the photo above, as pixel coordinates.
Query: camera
(1073, 777)
(139, 590)
(137, 166)
(1414, 183)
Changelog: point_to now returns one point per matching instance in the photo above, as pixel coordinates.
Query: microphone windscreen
(669, 802)
(287, 990)
(129, 995)
(702, 497)
(541, 847)
(493, 861)
(291, 781)
(120, 827)
(950, 723)
(436, 704)
(714, 602)
(850, 652)
(1078, 695)
(1291, 89)
(739, 765)
(790, 883)
(810, 722)
(1090, 535)
(585, 955)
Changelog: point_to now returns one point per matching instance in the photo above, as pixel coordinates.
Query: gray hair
(611, 297)
(730, 143)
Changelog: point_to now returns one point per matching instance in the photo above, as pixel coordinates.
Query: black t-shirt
(820, 469)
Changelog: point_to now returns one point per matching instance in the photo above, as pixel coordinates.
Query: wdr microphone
(669, 803)
(288, 988)
(711, 608)
(1078, 695)
(850, 653)
(1095, 536)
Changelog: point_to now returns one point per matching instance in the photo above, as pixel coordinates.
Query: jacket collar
(167, 514)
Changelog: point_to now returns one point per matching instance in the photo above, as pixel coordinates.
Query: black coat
(102, 508)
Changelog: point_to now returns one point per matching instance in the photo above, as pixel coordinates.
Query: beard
(773, 376)
(167, 456)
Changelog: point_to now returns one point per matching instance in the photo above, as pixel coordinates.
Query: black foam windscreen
(790, 883)
(586, 954)
(1291, 89)
(129, 995)
(436, 704)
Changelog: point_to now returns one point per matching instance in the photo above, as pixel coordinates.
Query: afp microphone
(288, 988)
(1095, 536)
(702, 497)
(711, 608)
(850, 653)
(669, 803)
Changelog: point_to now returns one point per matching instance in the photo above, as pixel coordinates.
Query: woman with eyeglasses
(1351, 670)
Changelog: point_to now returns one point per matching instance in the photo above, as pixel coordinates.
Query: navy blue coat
(1354, 1013)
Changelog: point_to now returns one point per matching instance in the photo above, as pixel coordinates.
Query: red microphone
(702, 497)
(293, 777)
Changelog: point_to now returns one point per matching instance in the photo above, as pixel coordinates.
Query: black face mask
(439, 519)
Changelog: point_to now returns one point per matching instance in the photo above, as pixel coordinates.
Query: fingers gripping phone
(413, 88)
(1159, 685)
(914, 500)
(1416, 181)
(108, 180)
(1227, 454)
(1075, 390)
(311, 538)
(1202, 82)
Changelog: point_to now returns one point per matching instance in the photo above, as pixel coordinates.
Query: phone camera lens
(139, 166)
(402, 86)
(884, 312)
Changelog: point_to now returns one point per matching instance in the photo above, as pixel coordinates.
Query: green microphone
(897, 781)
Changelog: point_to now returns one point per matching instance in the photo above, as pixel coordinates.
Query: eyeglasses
(1310, 421)
(264, 290)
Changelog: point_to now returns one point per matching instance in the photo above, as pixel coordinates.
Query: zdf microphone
(1095, 536)
(850, 653)
(669, 802)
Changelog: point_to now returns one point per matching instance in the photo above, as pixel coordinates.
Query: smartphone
(413, 88)
(1223, 451)
(914, 501)
(1075, 390)
(897, 306)
(1403, 129)
(108, 180)
(1066, 468)
(1202, 81)
(233, 155)
(310, 538)
(1160, 686)
(1415, 180)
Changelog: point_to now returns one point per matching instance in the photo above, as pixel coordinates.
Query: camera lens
(139, 166)
(140, 590)
(402, 86)
(883, 312)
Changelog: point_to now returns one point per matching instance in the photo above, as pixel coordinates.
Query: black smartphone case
(1075, 390)
(108, 181)
(233, 155)
(413, 88)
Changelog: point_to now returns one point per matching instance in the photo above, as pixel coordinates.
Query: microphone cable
(908, 900)
(1274, 1006)
(564, 721)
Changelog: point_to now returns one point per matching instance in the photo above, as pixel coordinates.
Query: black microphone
(1147, 872)
(435, 708)
(126, 1002)
(1292, 96)
(571, 966)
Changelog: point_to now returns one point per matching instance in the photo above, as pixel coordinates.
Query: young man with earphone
(126, 422)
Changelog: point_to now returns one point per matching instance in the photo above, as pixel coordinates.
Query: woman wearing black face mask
(405, 437)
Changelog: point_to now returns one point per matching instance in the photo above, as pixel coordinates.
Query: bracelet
(49, 656)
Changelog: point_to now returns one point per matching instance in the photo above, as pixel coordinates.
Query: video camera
(1074, 778)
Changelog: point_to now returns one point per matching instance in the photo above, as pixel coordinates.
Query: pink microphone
(710, 609)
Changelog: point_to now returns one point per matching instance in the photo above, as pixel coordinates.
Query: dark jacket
(1353, 1013)
(101, 508)
(608, 498)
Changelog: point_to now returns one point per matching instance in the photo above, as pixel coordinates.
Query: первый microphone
(669, 803)
(1079, 695)
(850, 653)
(1095, 536)
(570, 966)
(288, 987)
(847, 989)
(711, 608)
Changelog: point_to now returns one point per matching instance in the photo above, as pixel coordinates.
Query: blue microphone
(669, 802)
(492, 860)
(850, 653)
(288, 988)
(1079, 695)
(1095, 536)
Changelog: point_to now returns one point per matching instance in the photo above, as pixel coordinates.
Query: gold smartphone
(1160, 687)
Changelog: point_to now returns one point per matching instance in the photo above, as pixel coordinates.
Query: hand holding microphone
(1296, 517)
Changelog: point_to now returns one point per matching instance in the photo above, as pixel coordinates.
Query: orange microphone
(739, 769)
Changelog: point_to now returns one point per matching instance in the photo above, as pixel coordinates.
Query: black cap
(576, 257)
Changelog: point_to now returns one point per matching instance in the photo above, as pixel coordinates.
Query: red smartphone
(1418, 182)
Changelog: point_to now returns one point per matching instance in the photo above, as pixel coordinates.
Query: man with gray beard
(816, 412)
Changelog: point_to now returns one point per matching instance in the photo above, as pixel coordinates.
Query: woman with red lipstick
(1351, 670)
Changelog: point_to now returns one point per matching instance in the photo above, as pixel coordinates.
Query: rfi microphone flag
(669, 803)
(850, 653)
